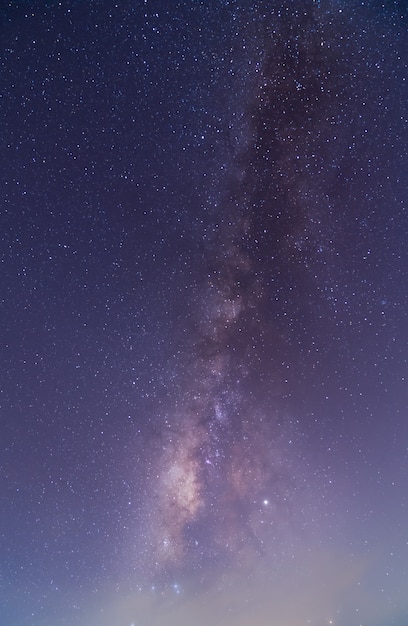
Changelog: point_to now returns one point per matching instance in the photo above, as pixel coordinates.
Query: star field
(203, 313)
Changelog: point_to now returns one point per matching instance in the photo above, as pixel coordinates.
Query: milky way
(228, 475)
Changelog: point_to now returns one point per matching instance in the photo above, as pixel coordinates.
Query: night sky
(204, 313)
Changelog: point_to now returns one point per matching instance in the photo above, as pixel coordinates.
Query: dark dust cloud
(204, 313)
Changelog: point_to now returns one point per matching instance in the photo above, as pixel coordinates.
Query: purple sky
(203, 409)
